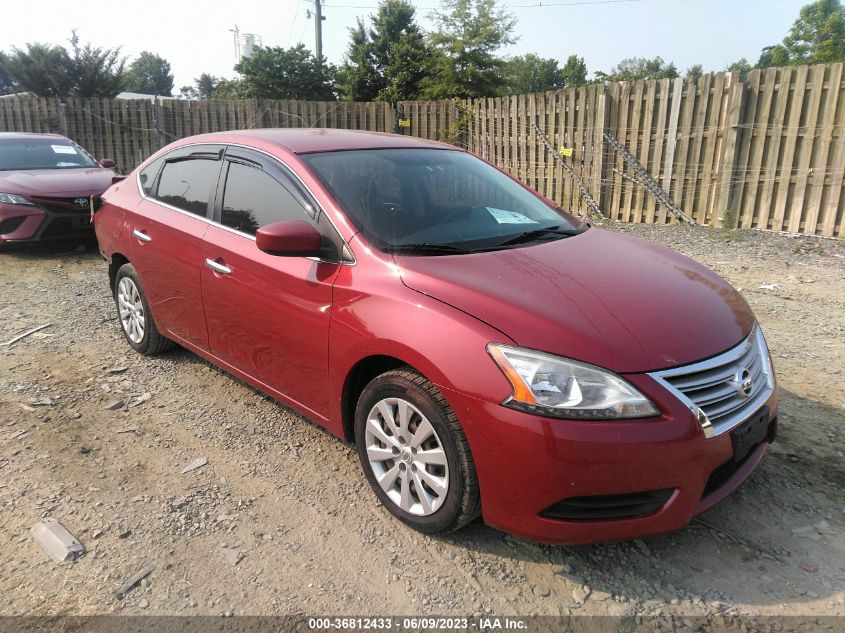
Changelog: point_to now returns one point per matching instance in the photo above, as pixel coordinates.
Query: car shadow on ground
(785, 523)
(85, 248)
(767, 526)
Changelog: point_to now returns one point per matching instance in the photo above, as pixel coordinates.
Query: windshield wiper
(529, 236)
(424, 247)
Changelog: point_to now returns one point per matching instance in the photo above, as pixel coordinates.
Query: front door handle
(217, 267)
(141, 236)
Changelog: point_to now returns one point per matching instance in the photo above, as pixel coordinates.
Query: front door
(267, 315)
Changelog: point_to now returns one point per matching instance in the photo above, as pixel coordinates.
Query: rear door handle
(217, 267)
(141, 236)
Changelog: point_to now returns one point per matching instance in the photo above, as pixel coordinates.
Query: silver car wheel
(131, 310)
(406, 456)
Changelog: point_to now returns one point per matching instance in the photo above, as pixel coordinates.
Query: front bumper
(527, 464)
(20, 223)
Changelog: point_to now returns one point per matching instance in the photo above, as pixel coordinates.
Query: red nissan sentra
(487, 353)
(48, 185)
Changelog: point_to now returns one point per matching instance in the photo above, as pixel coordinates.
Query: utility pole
(318, 28)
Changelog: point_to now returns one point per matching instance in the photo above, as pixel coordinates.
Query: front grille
(65, 205)
(607, 507)
(727, 388)
(10, 225)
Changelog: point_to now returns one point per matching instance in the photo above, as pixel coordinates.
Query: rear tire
(415, 454)
(133, 312)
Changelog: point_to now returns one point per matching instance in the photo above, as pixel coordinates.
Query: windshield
(42, 153)
(442, 201)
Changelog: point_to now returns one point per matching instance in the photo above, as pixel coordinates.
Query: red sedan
(48, 186)
(487, 353)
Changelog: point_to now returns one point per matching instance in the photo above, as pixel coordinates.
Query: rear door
(267, 315)
(165, 233)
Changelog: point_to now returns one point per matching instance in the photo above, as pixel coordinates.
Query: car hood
(69, 182)
(599, 297)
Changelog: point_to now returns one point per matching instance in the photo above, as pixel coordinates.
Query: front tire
(415, 454)
(133, 311)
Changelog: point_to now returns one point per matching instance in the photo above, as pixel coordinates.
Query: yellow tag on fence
(404, 122)
(566, 151)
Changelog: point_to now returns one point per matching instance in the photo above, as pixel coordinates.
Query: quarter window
(253, 198)
(187, 183)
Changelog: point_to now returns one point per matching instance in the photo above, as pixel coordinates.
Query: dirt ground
(281, 520)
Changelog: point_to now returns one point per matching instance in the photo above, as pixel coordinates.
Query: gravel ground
(280, 520)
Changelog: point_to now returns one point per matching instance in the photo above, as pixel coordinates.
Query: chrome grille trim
(708, 388)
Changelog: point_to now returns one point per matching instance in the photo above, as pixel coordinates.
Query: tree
(150, 74)
(294, 73)
(639, 68)
(776, 55)
(7, 82)
(818, 35)
(358, 79)
(205, 87)
(42, 69)
(530, 73)
(742, 66)
(399, 49)
(574, 71)
(96, 72)
(388, 61)
(464, 62)
(695, 72)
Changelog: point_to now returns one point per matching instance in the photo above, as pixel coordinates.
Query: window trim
(345, 250)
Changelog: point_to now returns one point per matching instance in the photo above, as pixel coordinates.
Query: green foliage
(205, 87)
(742, 66)
(150, 74)
(53, 71)
(574, 71)
(695, 72)
(639, 68)
(41, 69)
(7, 82)
(388, 61)
(95, 71)
(358, 79)
(293, 73)
(464, 62)
(530, 73)
(816, 37)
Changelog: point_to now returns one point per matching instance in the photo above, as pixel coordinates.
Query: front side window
(186, 183)
(42, 153)
(253, 198)
(432, 198)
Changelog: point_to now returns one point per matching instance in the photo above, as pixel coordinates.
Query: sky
(195, 37)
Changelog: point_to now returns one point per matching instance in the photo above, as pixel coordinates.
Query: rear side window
(187, 183)
(148, 176)
(253, 198)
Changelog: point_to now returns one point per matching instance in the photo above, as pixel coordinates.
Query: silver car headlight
(13, 198)
(552, 386)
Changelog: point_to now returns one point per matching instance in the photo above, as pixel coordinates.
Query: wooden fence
(766, 153)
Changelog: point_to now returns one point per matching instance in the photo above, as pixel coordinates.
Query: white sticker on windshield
(63, 149)
(509, 217)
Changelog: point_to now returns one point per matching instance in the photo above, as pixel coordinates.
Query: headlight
(557, 387)
(13, 198)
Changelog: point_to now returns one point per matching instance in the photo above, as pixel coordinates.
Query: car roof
(306, 140)
(44, 135)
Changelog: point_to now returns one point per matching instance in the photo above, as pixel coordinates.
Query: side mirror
(291, 238)
(107, 163)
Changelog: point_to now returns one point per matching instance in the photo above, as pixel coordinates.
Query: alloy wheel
(406, 456)
(131, 309)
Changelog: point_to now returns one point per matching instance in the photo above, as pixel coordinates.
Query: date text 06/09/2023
(418, 623)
